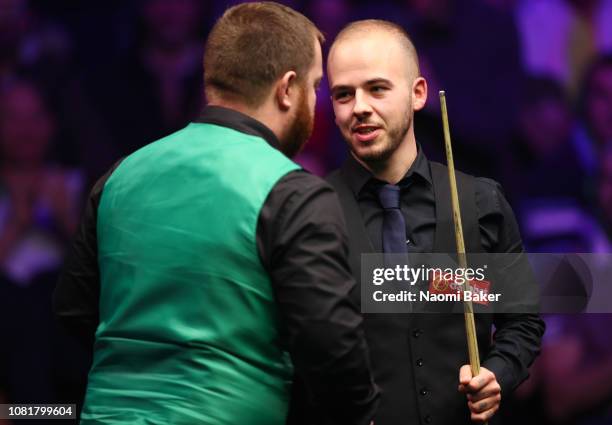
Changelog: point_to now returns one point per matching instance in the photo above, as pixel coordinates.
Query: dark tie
(394, 225)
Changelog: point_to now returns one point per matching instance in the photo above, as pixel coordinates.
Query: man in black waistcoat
(420, 361)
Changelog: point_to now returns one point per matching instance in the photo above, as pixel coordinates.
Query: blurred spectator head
(171, 24)
(583, 4)
(503, 5)
(559, 228)
(330, 15)
(597, 105)
(13, 22)
(544, 119)
(604, 191)
(436, 12)
(26, 125)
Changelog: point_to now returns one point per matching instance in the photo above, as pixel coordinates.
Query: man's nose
(362, 106)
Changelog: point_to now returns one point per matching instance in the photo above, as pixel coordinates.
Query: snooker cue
(468, 310)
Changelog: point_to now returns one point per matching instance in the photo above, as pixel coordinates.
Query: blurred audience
(156, 87)
(593, 134)
(560, 38)
(603, 208)
(39, 207)
(551, 176)
(576, 369)
(472, 51)
(39, 201)
(31, 43)
(542, 152)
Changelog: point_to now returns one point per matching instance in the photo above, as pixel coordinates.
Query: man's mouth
(366, 133)
(364, 129)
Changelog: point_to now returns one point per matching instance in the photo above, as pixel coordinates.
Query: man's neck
(264, 114)
(394, 168)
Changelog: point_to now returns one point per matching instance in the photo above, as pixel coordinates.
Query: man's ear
(284, 90)
(419, 93)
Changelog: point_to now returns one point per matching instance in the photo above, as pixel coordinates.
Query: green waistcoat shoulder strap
(189, 331)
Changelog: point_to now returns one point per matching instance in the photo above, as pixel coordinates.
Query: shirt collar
(238, 121)
(358, 176)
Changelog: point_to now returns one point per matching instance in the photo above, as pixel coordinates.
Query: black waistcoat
(416, 357)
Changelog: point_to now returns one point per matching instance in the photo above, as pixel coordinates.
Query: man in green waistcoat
(209, 268)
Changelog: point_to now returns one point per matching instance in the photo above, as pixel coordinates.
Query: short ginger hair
(254, 44)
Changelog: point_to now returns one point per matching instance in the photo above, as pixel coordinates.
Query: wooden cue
(468, 310)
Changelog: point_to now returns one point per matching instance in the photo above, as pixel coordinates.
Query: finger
(465, 374)
(479, 381)
(491, 390)
(484, 416)
(484, 405)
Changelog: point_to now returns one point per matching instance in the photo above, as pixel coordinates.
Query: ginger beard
(301, 127)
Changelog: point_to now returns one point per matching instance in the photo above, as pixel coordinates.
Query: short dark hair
(366, 25)
(254, 44)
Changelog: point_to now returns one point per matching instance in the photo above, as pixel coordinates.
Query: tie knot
(389, 196)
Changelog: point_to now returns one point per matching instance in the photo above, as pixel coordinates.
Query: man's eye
(378, 89)
(342, 95)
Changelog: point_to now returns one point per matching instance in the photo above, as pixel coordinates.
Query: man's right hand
(483, 392)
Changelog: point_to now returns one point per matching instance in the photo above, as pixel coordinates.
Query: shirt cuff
(502, 372)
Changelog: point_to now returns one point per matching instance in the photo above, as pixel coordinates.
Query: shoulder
(303, 179)
(490, 197)
(298, 183)
(300, 207)
(299, 192)
(489, 191)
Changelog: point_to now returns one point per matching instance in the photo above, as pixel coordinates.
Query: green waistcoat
(189, 331)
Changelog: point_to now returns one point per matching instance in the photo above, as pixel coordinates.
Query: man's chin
(370, 153)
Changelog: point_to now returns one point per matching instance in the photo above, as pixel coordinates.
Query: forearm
(76, 296)
(339, 382)
(302, 241)
(75, 299)
(516, 344)
(325, 337)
